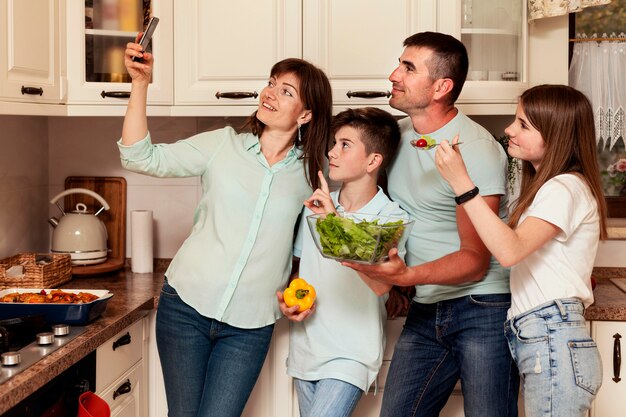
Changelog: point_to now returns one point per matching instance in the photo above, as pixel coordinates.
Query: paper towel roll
(141, 257)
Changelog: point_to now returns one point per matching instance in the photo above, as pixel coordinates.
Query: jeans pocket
(532, 330)
(587, 364)
(491, 300)
(168, 290)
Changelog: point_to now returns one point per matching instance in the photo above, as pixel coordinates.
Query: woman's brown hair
(316, 96)
(564, 118)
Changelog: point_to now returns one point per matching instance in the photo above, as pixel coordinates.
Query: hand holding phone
(147, 36)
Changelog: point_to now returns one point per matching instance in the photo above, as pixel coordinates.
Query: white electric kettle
(80, 233)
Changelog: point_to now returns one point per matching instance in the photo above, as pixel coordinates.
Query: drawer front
(118, 354)
(125, 395)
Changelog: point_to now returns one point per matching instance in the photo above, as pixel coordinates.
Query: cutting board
(113, 190)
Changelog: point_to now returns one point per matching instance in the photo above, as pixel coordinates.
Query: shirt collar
(251, 142)
(374, 206)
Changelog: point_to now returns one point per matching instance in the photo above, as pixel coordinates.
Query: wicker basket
(51, 271)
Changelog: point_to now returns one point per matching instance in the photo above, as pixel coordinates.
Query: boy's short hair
(379, 130)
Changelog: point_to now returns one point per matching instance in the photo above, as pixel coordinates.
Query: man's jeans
(442, 342)
(209, 367)
(559, 362)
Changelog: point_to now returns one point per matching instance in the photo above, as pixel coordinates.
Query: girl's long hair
(564, 118)
(316, 96)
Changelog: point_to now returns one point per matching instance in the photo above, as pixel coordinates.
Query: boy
(335, 355)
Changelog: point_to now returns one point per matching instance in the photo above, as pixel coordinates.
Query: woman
(550, 244)
(217, 308)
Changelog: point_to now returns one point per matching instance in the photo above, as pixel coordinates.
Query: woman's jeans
(559, 362)
(452, 339)
(209, 367)
(326, 398)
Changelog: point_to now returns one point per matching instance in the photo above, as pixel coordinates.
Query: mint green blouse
(240, 248)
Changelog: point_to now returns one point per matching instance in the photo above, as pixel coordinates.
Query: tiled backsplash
(38, 153)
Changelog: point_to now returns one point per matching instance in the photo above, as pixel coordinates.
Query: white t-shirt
(562, 267)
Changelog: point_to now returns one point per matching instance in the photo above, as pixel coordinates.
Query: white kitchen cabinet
(30, 41)
(122, 373)
(611, 339)
(225, 50)
(358, 43)
(97, 34)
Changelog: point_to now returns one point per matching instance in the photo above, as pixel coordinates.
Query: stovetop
(30, 351)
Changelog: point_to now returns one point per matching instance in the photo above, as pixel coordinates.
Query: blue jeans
(209, 367)
(557, 359)
(443, 342)
(326, 398)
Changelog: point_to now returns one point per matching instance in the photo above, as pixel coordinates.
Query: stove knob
(46, 338)
(11, 358)
(61, 329)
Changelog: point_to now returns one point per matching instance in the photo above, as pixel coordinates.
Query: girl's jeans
(558, 361)
(209, 367)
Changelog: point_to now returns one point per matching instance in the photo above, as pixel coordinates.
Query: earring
(299, 134)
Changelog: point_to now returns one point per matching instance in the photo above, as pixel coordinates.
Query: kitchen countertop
(135, 295)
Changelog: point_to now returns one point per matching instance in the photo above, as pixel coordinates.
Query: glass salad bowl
(358, 237)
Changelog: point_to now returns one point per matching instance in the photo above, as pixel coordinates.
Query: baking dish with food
(62, 313)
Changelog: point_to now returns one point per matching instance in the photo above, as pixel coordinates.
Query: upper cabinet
(30, 62)
(222, 53)
(224, 50)
(358, 43)
(97, 34)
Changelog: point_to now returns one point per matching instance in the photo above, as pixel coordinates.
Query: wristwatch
(466, 196)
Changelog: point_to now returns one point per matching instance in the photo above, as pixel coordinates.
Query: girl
(217, 309)
(550, 244)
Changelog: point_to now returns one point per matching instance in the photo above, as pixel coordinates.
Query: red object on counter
(593, 283)
(90, 405)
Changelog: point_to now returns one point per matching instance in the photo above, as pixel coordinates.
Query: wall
(23, 184)
(38, 153)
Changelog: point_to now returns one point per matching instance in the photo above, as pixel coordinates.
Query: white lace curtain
(598, 69)
(538, 9)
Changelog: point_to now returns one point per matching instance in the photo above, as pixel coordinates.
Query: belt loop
(561, 307)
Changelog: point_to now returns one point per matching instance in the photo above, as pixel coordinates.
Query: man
(455, 324)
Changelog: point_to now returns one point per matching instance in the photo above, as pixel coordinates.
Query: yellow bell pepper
(301, 293)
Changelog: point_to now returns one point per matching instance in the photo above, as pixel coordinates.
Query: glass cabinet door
(109, 26)
(491, 30)
(97, 34)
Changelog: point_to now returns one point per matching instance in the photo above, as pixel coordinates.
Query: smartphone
(147, 36)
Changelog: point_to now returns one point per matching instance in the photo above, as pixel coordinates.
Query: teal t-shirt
(415, 183)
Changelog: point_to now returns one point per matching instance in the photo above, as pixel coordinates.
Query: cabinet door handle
(115, 94)
(124, 340)
(125, 388)
(33, 91)
(617, 357)
(237, 94)
(368, 94)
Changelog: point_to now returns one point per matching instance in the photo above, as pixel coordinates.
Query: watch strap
(466, 196)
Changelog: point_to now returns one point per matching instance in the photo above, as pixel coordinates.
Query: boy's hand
(291, 312)
(320, 201)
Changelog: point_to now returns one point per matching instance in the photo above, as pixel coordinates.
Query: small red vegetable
(421, 143)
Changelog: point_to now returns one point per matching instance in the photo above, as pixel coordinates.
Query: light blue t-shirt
(344, 338)
(239, 251)
(416, 184)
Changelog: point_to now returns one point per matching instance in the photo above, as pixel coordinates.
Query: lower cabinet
(611, 339)
(121, 373)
